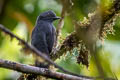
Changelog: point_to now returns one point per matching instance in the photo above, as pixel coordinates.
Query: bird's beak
(55, 18)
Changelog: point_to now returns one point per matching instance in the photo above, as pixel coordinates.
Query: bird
(44, 35)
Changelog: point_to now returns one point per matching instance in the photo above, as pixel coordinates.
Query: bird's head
(48, 16)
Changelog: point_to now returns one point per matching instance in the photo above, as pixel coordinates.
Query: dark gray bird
(43, 35)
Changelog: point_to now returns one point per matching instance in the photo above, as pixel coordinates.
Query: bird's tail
(41, 64)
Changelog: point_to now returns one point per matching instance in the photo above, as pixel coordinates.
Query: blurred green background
(20, 16)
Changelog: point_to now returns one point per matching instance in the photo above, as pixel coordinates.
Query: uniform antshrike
(43, 35)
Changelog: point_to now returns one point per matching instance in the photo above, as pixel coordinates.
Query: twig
(38, 53)
(38, 71)
(60, 25)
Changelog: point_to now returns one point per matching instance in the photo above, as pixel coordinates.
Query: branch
(38, 71)
(34, 70)
(35, 51)
(60, 25)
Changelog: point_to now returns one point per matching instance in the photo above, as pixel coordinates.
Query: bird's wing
(39, 41)
(51, 39)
